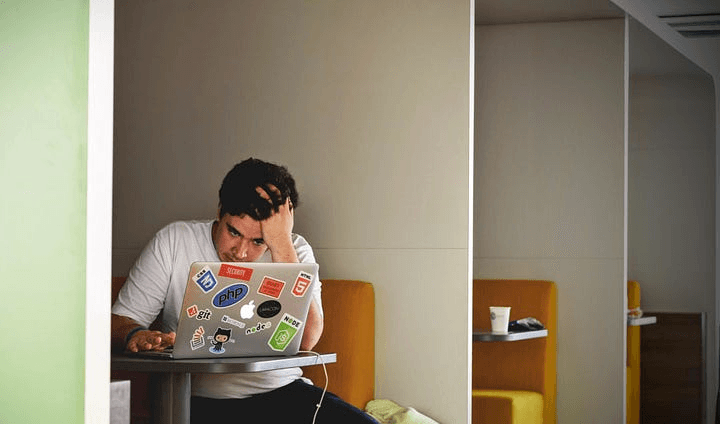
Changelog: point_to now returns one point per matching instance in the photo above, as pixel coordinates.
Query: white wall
(671, 200)
(549, 191)
(368, 104)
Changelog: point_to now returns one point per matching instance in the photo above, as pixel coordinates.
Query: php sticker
(236, 272)
(205, 279)
(197, 340)
(301, 284)
(230, 295)
(284, 333)
(271, 287)
(269, 309)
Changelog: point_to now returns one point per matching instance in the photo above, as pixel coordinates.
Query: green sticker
(284, 332)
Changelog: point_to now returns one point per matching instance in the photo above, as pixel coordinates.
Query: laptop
(238, 309)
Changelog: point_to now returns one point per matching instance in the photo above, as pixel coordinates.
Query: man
(254, 223)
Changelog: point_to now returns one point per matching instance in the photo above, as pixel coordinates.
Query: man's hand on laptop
(150, 340)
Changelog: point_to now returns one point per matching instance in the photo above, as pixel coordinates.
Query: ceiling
(649, 54)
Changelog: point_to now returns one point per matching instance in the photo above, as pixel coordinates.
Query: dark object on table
(525, 324)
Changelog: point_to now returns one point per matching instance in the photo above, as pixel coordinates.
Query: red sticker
(271, 287)
(301, 284)
(192, 311)
(236, 272)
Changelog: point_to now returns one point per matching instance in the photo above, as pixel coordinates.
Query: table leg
(171, 398)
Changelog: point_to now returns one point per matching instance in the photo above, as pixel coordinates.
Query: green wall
(43, 149)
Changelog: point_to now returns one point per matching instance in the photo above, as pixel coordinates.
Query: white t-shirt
(157, 282)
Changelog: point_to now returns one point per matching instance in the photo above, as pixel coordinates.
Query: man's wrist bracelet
(132, 333)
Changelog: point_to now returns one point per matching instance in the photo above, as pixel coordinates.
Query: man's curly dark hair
(238, 195)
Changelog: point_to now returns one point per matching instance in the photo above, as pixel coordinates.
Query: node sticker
(259, 327)
(271, 287)
(284, 333)
(301, 284)
(236, 272)
(269, 309)
(236, 323)
(230, 295)
(205, 279)
(197, 340)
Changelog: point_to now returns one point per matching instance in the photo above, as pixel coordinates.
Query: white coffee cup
(499, 319)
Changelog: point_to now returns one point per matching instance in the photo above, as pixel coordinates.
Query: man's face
(238, 239)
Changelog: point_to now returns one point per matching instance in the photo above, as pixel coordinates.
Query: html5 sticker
(301, 284)
(271, 287)
(236, 272)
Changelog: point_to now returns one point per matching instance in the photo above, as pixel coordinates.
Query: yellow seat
(349, 308)
(507, 406)
(515, 382)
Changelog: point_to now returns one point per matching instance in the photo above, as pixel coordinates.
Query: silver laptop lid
(234, 309)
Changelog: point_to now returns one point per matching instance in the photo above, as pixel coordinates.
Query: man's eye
(258, 242)
(234, 233)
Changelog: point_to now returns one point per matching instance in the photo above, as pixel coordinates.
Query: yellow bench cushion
(507, 407)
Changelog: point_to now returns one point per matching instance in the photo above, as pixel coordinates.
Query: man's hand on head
(277, 228)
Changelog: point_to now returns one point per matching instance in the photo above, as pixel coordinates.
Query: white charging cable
(317, 409)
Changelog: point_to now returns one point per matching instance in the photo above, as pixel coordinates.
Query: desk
(488, 336)
(171, 389)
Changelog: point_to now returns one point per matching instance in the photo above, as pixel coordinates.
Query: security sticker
(192, 311)
(301, 284)
(205, 279)
(221, 336)
(236, 272)
(197, 340)
(269, 309)
(231, 321)
(285, 331)
(271, 287)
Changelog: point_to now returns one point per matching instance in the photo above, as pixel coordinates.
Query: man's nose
(241, 249)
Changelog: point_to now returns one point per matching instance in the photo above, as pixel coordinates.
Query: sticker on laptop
(226, 319)
(247, 310)
(261, 326)
(204, 314)
(205, 279)
(221, 336)
(197, 340)
(192, 311)
(285, 331)
(271, 287)
(301, 284)
(230, 295)
(269, 309)
(236, 272)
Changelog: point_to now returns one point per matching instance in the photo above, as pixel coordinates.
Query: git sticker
(192, 311)
(285, 331)
(301, 284)
(271, 287)
(205, 279)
